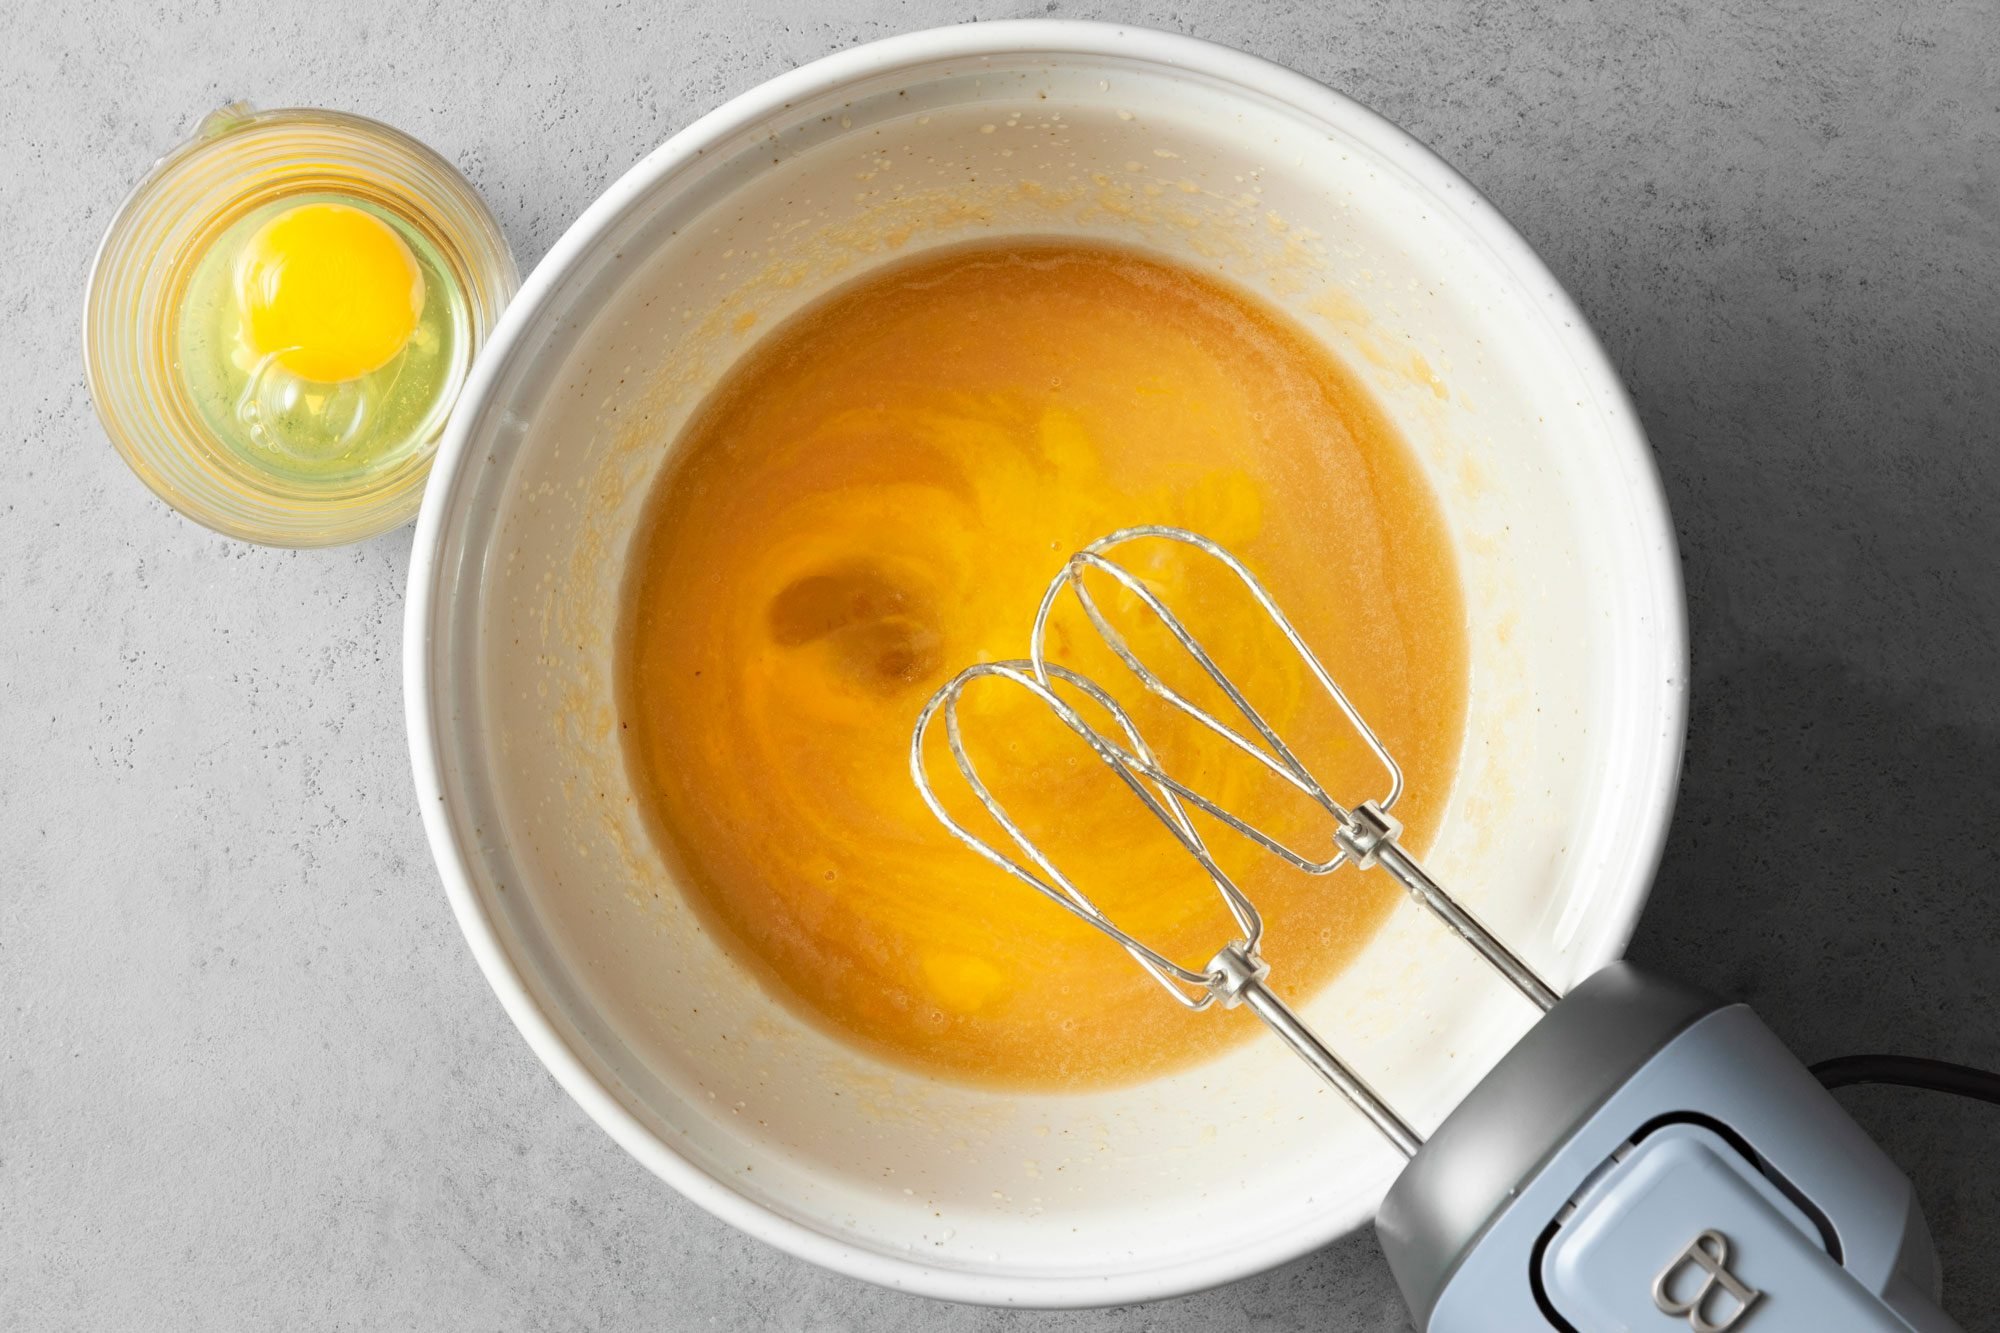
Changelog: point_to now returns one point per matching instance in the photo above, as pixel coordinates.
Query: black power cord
(1910, 1071)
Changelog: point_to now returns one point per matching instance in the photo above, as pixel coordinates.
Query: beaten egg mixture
(876, 497)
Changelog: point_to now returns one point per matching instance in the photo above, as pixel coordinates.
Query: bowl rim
(428, 596)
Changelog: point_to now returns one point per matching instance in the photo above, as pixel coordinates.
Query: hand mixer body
(1648, 1158)
(1645, 1158)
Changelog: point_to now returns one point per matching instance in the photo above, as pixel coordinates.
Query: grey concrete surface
(249, 1076)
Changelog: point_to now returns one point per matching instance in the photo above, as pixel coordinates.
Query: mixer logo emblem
(1708, 1255)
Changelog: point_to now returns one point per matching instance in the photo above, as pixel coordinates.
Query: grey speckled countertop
(249, 1075)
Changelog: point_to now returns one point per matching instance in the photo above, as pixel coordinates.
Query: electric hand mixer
(1645, 1157)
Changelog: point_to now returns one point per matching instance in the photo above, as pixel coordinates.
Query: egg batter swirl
(877, 496)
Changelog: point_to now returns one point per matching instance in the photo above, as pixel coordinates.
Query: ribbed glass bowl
(239, 160)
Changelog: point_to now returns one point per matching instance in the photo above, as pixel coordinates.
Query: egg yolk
(329, 290)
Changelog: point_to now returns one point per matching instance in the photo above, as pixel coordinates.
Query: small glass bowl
(239, 160)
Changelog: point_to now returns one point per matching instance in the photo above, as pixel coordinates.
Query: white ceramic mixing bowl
(1198, 153)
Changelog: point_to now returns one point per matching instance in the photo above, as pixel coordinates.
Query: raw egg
(322, 337)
